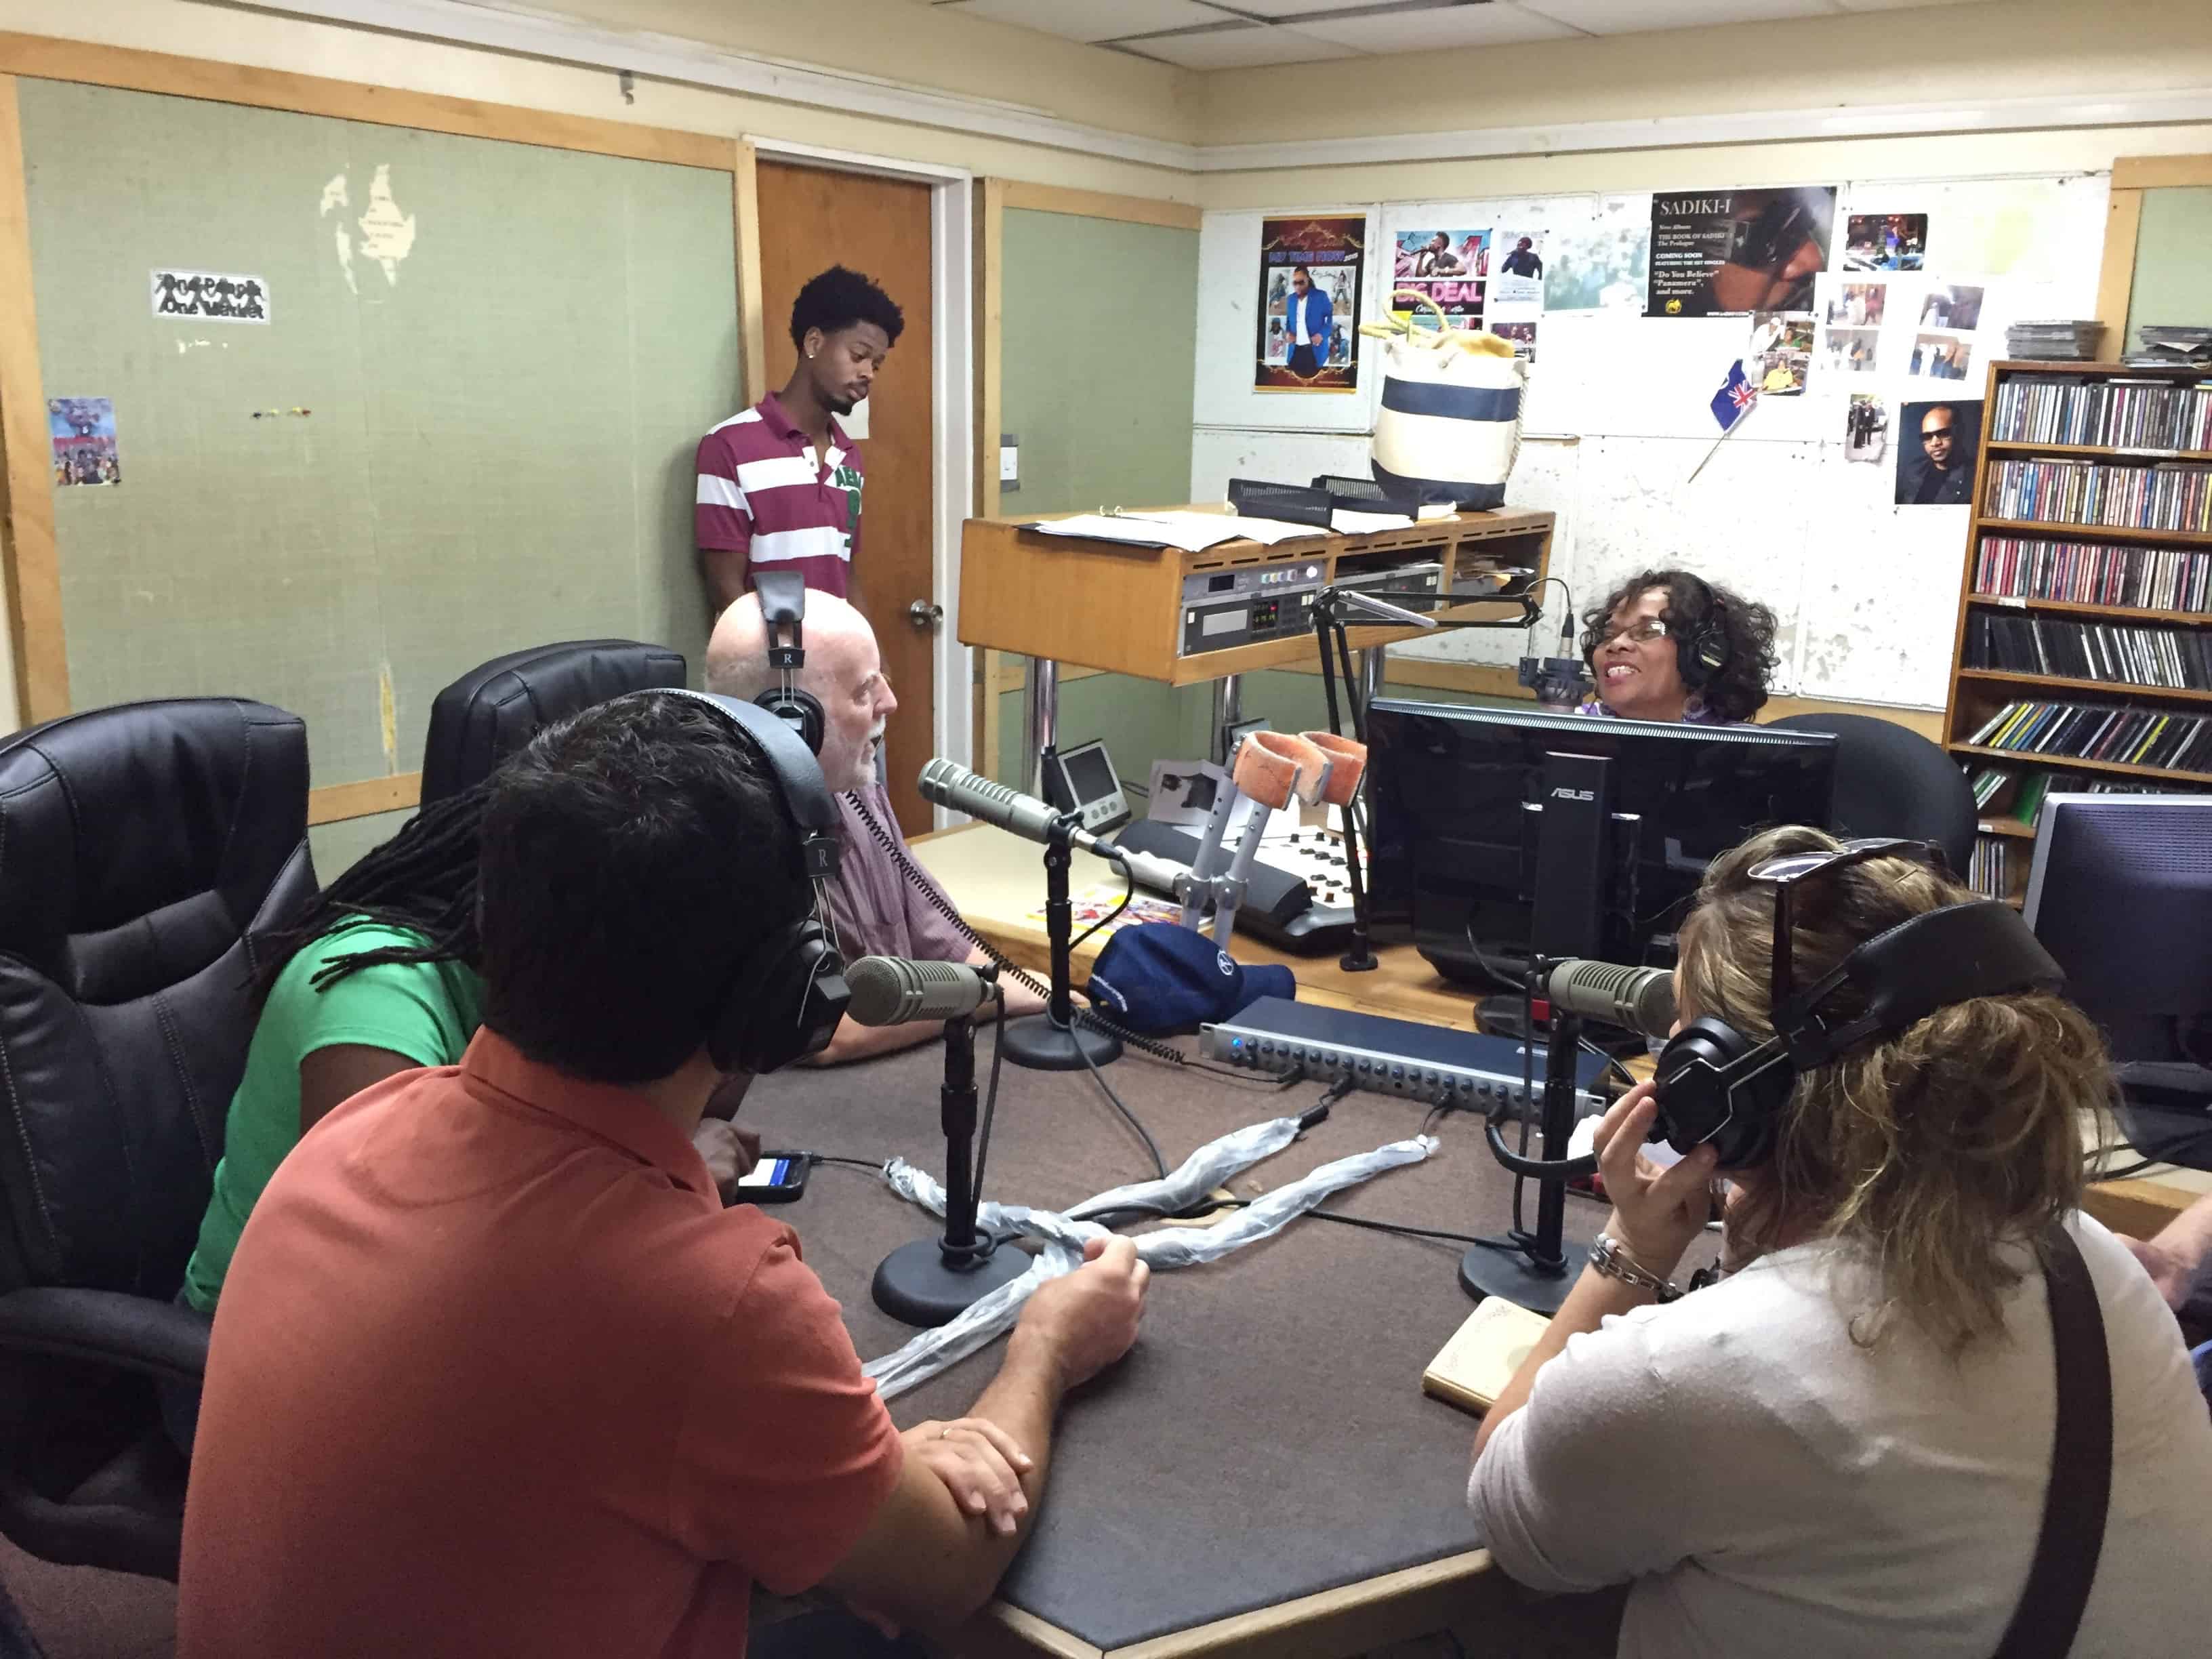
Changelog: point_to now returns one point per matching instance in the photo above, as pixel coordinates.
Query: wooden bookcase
(1978, 693)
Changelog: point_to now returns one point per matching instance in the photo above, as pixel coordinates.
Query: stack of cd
(2054, 340)
(2170, 345)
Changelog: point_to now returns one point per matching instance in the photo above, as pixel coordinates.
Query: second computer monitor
(1455, 793)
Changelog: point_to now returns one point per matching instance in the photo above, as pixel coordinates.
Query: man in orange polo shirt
(495, 1371)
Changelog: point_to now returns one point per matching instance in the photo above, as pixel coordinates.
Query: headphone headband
(1717, 1084)
(789, 992)
(798, 774)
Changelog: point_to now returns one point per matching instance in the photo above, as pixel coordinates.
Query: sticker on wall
(1738, 250)
(1936, 445)
(83, 430)
(1885, 242)
(1866, 427)
(1604, 264)
(386, 234)
(1447, 266)
(1523, 336)
(216, 295)
(1783, 349)
(1309, 323)
(1516, 269)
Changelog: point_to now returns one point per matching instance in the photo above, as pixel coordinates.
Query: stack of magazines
(2170, 345)
(2059, 340)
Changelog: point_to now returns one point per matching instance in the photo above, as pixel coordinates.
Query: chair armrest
(112, 1328)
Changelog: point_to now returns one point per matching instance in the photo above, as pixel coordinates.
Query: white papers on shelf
(1194, 532)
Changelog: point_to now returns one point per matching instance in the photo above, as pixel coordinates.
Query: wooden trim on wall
(2116, 277)
(990, 228)
(32, 574)
(752, 304)
(334, 802)
(1096, 204)
(131, 70)
(2160, 171)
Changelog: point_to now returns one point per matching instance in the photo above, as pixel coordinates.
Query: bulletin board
(1617, 418)
(462, 424)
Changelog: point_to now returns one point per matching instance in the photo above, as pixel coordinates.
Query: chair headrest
(490, 712)
(157, 829)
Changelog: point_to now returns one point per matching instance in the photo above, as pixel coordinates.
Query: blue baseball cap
(1156, 977)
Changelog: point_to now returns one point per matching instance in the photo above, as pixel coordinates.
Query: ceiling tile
(1088, 19)
(1239, 48)
(1898, 5)
(1431, 28)
(1635, 17)
(1305, 8)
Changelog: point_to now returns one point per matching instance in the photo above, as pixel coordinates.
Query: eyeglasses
(1785, 874)
(1642, 631)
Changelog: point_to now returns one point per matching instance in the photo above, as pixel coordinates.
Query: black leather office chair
(146, 851)
(1890, 781)
(490, 712)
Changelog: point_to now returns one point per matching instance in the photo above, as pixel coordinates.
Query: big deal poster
(1308, 333)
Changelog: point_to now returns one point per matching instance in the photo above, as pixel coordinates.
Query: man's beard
(864, 764)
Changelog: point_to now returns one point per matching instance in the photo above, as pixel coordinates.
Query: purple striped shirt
(763, 492)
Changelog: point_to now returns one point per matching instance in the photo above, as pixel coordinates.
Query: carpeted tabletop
(1267, 1438)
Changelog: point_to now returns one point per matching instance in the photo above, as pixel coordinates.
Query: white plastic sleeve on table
(1167, 1247)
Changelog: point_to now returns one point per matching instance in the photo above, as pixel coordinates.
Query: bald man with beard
(875, 906)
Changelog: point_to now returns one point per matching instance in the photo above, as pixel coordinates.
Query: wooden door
(811, 218)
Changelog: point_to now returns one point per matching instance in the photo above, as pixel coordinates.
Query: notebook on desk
(1472, 1369)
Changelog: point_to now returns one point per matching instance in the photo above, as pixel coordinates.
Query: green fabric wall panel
(2174, 250)
(1099, 339)
(506, 353)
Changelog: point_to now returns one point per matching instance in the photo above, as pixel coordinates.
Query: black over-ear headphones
(1716, 1085)
(789, 993)
(783, 613)
(1702, 651)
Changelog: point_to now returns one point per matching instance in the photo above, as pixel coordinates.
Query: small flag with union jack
(1735, 399)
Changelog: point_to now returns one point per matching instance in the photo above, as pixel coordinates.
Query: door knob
(924, 615)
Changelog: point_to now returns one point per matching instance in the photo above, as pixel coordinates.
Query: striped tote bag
(1449, 426)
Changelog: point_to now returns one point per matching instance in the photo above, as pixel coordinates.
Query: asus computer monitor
(1453, 816)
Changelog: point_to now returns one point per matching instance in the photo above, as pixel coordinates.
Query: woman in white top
(1842, 1447)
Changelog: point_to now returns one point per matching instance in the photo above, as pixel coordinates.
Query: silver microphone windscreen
(1641, 999)
(891, 990)
(953, 787)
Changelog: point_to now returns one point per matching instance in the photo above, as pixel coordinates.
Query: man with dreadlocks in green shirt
(378, 977)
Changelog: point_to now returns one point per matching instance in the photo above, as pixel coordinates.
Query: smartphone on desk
(777, 1178)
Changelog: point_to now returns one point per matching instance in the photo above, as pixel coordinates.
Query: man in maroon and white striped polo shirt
(780, 484)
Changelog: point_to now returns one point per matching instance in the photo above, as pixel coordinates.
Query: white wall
(1616, 421)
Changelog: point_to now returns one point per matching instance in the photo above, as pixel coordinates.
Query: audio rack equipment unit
(1162, 614)
(1430, 1063)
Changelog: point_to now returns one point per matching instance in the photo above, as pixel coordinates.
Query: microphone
(1642, 999)
(953, 787)
(892, 991)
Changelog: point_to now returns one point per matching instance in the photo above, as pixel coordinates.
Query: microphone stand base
(1484, 1272)
(1041, 1046)
(915, 1285)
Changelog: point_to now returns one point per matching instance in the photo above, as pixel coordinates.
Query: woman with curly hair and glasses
(1842, 1446)
(1667, 645)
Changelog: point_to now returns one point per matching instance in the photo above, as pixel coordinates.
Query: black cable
(991, 1098)
(856, 1163)
(1128, 892)
(1207, 1205)
(1159, 1163)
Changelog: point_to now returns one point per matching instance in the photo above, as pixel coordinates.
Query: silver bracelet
(1613, 1261)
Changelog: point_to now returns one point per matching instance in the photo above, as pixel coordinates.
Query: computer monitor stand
(1573, 836)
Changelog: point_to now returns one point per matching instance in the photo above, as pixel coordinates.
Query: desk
(997, 879)
(1263, 1476)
